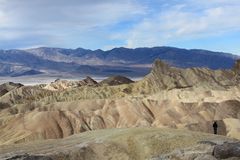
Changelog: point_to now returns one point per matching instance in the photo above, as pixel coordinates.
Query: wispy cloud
(83, 13)
(186, 21)
(59, 18)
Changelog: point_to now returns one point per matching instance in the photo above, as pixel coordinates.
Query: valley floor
(46, 79)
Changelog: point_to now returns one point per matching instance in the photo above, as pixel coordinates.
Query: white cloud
(4, 21)
(59, 18)
(82, 13)
(99, 23)
(185, 22)
(2, 18)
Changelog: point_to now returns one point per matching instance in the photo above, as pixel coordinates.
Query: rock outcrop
(129, 144)
(236, 67)
(116, 80)
(6, 87)
(60, 85)
(227, 150)
(165, 77)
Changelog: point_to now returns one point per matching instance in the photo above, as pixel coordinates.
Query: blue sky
(105, 24)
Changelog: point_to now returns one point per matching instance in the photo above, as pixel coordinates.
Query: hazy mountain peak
(121, 61)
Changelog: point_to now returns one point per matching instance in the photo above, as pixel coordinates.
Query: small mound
(6, 87)
(59, 85)
(116, 80)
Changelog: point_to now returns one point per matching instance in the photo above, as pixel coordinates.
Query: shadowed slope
(116, 80)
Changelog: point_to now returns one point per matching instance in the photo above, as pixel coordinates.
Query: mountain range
(118, 61)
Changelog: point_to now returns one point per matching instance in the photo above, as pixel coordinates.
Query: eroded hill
(167, 97)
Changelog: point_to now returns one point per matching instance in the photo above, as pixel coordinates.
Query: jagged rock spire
(160, 66)
(236, 67)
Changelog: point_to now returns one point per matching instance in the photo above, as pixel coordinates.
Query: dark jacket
(215, 125)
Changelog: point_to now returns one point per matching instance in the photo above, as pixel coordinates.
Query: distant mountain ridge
(118, 61)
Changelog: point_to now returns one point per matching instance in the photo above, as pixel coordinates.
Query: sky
(106, 24)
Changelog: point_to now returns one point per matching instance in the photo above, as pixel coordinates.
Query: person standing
(215, 126)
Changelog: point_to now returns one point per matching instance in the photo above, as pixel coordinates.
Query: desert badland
(168, 102)
(119, 80)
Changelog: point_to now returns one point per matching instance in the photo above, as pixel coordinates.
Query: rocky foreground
(124, 144)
